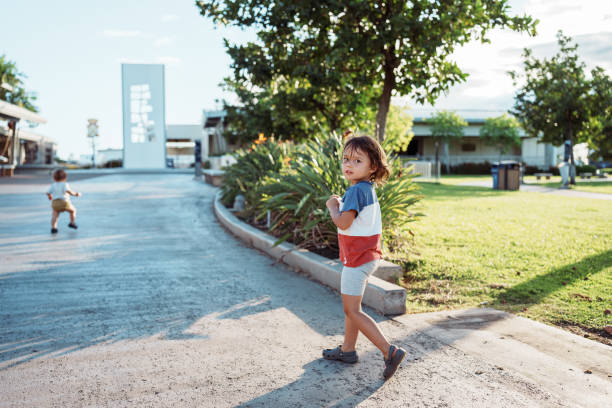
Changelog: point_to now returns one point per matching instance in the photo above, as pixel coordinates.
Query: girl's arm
(50, 196)
(344, 219)
(72, 193)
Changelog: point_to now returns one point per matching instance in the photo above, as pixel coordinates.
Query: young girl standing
(357, 216)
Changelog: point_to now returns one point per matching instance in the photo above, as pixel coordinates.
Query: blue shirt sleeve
(354, 199)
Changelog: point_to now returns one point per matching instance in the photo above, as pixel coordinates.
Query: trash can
(494, 173)
(508, 175)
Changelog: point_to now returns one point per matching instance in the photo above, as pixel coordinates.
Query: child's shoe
(337, 354)
(71, 225)
(54, 230)
(394, 361)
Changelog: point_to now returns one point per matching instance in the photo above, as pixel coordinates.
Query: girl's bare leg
(351, 331)
(364, 324)
(54, 216)
(72, 215)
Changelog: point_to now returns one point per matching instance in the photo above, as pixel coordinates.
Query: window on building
(468, 147)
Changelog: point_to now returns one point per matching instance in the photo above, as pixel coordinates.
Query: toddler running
(59, 193)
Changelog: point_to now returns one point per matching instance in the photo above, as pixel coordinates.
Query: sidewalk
(546, 190)
(152, 303)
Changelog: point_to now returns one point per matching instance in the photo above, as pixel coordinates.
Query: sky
(71, 52)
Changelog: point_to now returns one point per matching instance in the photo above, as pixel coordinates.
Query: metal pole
(15, 144)
(198, 159)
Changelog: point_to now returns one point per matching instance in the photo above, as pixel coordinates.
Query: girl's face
(356, 166)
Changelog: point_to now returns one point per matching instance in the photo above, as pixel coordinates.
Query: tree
(399, 129)
(501, 132)
(599, 132)
(556, 102)
(292, 105)
(393, 46)
(15, 92)
(446, 126)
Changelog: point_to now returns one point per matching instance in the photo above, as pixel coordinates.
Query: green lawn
(554, 182)
(542, 256)
(581, 185)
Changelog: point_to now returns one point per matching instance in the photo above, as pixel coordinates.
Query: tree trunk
(436, 169)
(383, 104)
(572, 163)
(447, 157)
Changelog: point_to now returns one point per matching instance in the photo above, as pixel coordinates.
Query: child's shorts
(353, 281)
(60, 205)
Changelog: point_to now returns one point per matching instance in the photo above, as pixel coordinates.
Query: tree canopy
(446, 126)
(501, 132)
(557, 102)
(16, 92)
(399, 129)
(391, 47)
(599, 133)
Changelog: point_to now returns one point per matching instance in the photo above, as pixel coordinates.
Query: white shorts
(353, 281)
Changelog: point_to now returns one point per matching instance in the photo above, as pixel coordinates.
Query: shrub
(251, 167)
(585, 169)
(471, 168)
(296, 200)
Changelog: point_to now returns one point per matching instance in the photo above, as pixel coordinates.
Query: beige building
(19, 146)
(471, 149)
(32, 148)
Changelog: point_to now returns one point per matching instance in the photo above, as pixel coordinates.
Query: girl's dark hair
(376, 154)
(59, 175)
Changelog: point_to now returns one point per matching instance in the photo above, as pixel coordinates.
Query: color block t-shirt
(360, 243)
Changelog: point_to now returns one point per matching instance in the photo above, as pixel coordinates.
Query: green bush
(296, 199)
(251, 167)
(585, 169)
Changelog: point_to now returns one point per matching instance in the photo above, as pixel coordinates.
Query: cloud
(161, 41)
(593, 49)
(168, 60)
(166, 18)
(128, 60)
(122, 33)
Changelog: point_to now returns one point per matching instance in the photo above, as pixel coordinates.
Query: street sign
(92, 128)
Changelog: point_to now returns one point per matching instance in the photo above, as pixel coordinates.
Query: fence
(426, 169)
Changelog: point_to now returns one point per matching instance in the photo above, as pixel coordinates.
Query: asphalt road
(152, 303)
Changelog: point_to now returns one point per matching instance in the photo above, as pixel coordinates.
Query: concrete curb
(385, 297)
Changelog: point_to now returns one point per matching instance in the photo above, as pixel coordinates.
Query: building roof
(10, 111)
(28, 135)
(183, 132)
(212, 118)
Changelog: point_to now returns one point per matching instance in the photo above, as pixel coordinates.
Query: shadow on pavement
(324, 383)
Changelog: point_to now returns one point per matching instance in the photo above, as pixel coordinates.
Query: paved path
(547, 190)
(152, 303)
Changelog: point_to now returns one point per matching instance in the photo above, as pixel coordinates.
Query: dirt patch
(599, 335)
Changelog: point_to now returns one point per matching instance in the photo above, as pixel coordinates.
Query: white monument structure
(144, 116)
